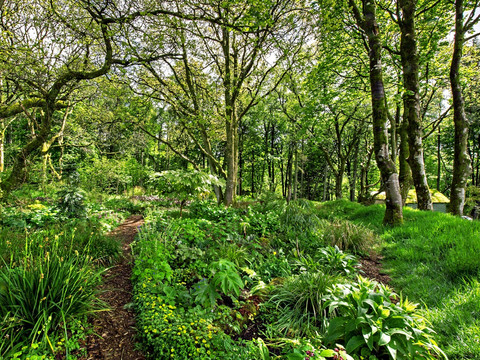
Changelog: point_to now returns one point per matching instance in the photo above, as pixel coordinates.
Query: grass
(433, 259)
(48, 280)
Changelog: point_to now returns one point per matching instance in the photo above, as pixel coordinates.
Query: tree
(53, 46)
(410, 67)
(367, 21)
(186, 184)
(461, 160)
(227, 64)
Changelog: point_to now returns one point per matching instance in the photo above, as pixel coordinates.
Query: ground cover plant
(432, 258)
(216, 283)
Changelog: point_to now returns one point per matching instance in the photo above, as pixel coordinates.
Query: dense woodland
(230, 127)
(315, 100)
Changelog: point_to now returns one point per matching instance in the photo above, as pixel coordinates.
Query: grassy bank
(434, 260)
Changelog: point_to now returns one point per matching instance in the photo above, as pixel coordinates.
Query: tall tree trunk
(272, 143)
(353, 178)
(461, 161)
(409, 56)
(405, 175)
(18, 173)
(439, 159)
(325, 179)
(3, 130)
(295, 179)
(388, 170)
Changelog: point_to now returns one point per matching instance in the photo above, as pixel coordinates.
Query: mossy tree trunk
(461, 159)
(410, 66)
(405, 175)
(367, 21)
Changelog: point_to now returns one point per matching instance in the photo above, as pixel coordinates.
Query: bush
(71, 202)
(335, 261)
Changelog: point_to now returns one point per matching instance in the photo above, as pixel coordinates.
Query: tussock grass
(349, 236)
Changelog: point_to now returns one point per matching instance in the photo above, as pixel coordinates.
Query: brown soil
(372, 269)
(114, 330)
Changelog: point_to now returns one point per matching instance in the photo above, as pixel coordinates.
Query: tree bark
(405, 175)
(461, 161)
(388, 170)
(410, 65)
(353, 179)
(439, 159)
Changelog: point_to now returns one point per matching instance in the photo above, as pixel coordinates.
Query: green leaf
(368, 336)
(205, 294)
(354, 343)
(384, 339)
(393, 351)
(336, 329)
(327, 353)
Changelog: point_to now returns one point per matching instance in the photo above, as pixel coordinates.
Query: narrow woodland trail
(116, 328)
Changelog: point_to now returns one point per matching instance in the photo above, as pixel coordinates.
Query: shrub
(71, 202)
(335, 261)
(224, 279)
(370, 322)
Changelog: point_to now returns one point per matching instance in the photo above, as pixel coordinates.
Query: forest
(259, 177)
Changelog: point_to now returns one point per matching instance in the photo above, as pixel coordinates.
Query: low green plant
(71, 202)
(335, 261)
(300, 225)
(300, 300)
(41, 294)
(372, 322)
(224, 279)
(348, 236)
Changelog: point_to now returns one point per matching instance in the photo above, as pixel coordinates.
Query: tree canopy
(280, 96)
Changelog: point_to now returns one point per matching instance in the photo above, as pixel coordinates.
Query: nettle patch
(206, 288)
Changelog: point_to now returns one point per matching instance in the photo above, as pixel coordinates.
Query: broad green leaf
(354, 343)
(327, 353)
(384, 339)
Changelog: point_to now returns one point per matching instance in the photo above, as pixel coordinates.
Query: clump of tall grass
(299, 300)
(41, 292)
(349, 236)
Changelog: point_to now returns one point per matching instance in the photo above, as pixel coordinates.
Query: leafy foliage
(300, 300)
(370, 322)
(186, 184)
(349, 236)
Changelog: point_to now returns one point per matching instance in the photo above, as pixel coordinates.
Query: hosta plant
(374, 324)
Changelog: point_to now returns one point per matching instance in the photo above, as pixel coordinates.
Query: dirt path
(117, 327)
(372, 269)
